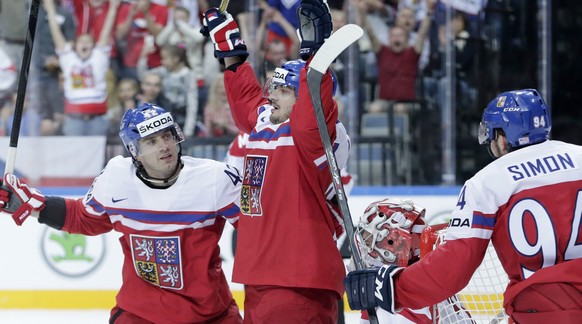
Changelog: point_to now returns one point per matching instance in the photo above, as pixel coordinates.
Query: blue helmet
(288, 75)
(521, 114)
(145, 120)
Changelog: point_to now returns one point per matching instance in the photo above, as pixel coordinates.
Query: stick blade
(335, 45)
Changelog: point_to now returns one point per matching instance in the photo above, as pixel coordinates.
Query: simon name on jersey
(541, 166)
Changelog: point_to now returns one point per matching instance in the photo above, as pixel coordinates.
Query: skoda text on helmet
(521, 114)
(288, 75)
(143, 121)
(389, 233)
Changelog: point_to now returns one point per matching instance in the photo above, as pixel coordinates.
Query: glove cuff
(386, 298)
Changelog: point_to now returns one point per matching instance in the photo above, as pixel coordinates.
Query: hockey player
(170, 209)
(286, 252)
(527, 202)
(388, 233)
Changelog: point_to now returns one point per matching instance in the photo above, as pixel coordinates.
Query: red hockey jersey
(286, 231)
(172, 271)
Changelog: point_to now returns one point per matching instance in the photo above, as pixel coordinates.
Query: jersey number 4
(545, 244)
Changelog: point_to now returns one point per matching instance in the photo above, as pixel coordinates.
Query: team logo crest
(157, 260)
(501, 101)
(254, 175)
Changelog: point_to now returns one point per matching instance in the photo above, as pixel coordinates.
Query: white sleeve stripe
(472, 233)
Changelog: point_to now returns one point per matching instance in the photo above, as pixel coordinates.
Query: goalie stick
(329, 51)
(21, 92)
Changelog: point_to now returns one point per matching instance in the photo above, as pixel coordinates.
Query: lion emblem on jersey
(157, 260)
(252, 186)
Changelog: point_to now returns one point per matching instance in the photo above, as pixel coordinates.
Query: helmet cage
(389, 232)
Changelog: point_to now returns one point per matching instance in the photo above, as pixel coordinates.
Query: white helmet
(389, 233)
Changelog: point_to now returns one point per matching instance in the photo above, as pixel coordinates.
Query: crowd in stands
(94, 59)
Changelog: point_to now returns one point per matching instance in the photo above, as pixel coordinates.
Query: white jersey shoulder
(204, 187)
(528, 168)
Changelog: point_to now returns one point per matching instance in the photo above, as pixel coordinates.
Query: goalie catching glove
(19, 201)
(371, 288)
(225, 35)
(315, 26)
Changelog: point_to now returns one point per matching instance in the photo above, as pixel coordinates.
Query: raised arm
(105, 34)
(289, 30)
(57, 35)
(152, 26)
(424, 27)
(362, 16)
(123, 28)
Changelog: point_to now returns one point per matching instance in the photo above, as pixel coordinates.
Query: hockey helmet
(389, 233)
(521, 114)
(143, 121)
(288, 75)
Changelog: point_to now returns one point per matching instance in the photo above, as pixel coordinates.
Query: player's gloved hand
(315, 26)
(371, 288)
(19, 201)
(224, 33)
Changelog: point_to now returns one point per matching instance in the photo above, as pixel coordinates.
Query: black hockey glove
(371, 288)
(18, 200)
(225, 35)
(315, 26)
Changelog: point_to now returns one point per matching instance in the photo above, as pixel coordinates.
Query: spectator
(8, 75)
(29, 124)
(51, 121)
(46, 95)
(397, 62)
(139, 23)
(217, 116)
(179, 86)
(381, 14)
(84, 69)
(465, 51)
(405, 18)
(13, 28)
(127, 91)
(91, 16)
(276, 52)
(276, 28)
(418, 9)
(180, 33)
(151, 90)
(192, 6)
(273, 50)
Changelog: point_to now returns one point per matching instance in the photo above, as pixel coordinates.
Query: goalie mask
(389, 233)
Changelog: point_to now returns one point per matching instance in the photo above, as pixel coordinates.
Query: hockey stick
(328, 52)
(223, 5)
(21, 92)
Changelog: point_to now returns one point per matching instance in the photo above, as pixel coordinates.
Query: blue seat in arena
(376, 124)
(384, 156)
